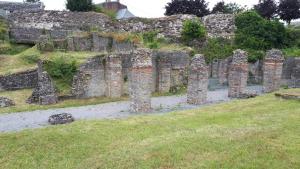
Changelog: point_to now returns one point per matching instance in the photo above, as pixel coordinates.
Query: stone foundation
(141, 81)
(223, 71)
(198, 81)
(114, 77)
(238, 74)
(164, 74)
(273, 65)
(296, 77)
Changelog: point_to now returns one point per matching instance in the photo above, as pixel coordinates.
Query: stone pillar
(164, 74)
(141, 81)
(44, 93)
(273, 66)
(238, 74)
(114, 77)
(223, 71)
(197, 81)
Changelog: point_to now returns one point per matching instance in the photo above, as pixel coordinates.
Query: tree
(79, 5)
(220, 7)
(32, 1)
(266, 8)
(289, 10)
(194, 7)
(235, 8)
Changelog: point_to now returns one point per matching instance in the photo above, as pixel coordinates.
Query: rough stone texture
(214, 68)
(296, 77)
(219, 25)
(113, 75)
(90, 79)
(63, 118)
(238, 74)
(164, 74)
(273, 65)
(178, 62)
(44, 93)
(198, 81)
(26, 27)
(6, 102)
(22, 80)
(100, 43)
(223, 71)
(289, 66)
(45, 43)
(141, 81)
(11, 7)
(255, 72)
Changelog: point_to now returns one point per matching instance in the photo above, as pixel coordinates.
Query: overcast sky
(141, 8)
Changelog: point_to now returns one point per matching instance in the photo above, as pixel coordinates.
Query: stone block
(114, 77)
(6, 102)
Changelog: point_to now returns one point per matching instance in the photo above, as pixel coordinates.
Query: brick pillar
(141, 81)
(238, 74)
(273, 65)
(113, 75)
(223, 71)
(198, 81)
(164, 74)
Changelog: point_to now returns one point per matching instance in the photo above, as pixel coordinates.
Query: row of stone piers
(141, 77)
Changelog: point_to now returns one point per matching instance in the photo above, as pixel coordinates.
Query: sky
(141, 8)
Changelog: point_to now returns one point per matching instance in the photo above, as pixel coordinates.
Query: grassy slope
(21, 96)
(254, 133)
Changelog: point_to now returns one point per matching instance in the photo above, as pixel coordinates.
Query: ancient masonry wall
(90, 79)
(223, 71)
(22, 80)
(141, 81)
(289, 72)
(164, 74)
(296, 77)
(238, 74)
(26, 27)
(114, 77)
(273, 65)
(198, 81)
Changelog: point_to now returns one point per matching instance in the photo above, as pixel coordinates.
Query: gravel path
(38, 119)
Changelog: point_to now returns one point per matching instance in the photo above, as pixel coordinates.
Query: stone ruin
(197, 81)
(44, 93)
(238, 74)
(6, 102)
(114, 76)
(273, 65)
(140, 81)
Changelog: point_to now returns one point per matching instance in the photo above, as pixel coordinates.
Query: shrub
(150, 39)
(193, 30)
(255, 32)
(293, 38)
(62, 68)
(79, 5)
(255, 55)
(217, 48)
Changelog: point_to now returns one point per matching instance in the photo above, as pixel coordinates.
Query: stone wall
(289, 66)
(11, 7)
(26, 27)
(238, 74)
(22, 80)
(113, 76)
(273, 65)
(256, 72)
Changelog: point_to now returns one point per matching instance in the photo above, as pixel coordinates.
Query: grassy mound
(255, 133)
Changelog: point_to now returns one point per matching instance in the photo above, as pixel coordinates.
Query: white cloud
(142, 8)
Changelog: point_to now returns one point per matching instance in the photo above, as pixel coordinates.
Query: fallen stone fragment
(5, 102)
(63, 118)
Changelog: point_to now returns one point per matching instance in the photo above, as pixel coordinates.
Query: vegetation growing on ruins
(260, 132)
(193, 30)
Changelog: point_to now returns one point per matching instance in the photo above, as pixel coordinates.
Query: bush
(217, 48)
(62, 68)
(150, 39)
(79, 5)
(193, 30)
(292, 38)
(255, 55)
(255, 32)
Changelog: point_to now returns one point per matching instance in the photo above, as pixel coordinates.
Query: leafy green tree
(193, 7)
(80, 5)
(289, 10)
(220, 7)
(235, 8)
(32, 1)
(255, 32)
(266, 8)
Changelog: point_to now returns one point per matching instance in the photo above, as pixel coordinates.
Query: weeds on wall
(193, 30)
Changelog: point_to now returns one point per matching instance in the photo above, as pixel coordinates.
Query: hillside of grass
(257, 133)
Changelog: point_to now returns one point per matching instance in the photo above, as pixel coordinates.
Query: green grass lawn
(257, 133)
